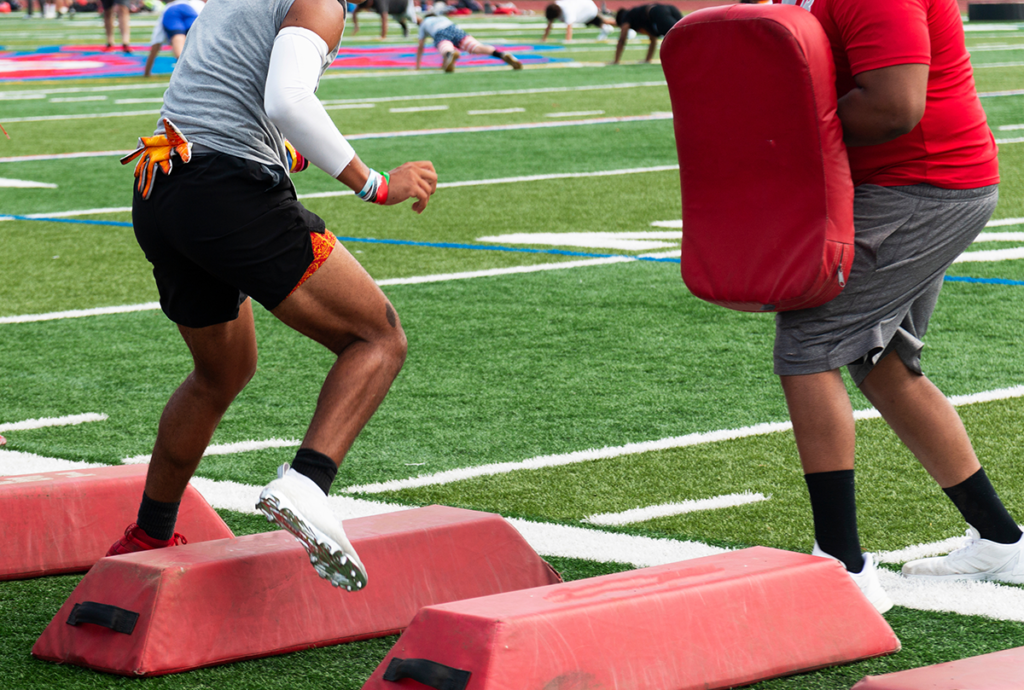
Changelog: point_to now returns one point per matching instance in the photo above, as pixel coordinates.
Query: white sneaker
(295, 502)
(979, 559)
(448, 63)
(866, 580)
(603, 33)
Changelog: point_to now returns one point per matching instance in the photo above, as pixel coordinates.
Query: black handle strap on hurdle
(117, 619)
(430, 673)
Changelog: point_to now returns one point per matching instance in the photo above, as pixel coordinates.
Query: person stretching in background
(172, 25)
(576, 12)
(650, 20)
(450, 39)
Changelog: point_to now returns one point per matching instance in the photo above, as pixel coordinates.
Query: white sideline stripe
(61, 156)
(1006, 128)
(912, 553)
(988, 255)
(25, 184)
(418, 109)
(414, 280)
(78, 313)
(695, 439)
(981, 238)
(1000, 237)
(43, 422)
(350, 106)
(1017, 140)
(962, 597)
(577, 113)
(966, 598)
(544, 461)
(227, 449)
(83, 116)
(512, 127)
(488, 273)
(497, 111)
(634, 515)
(78, 99)
(133, 101)
(1004, 221)
(505, 180)
(338, 104)
(507, 92)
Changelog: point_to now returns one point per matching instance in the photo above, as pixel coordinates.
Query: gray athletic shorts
(905, 239)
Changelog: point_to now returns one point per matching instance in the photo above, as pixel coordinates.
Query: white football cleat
(296, 503)
(448, 62)
(979, 559)
(866, 580)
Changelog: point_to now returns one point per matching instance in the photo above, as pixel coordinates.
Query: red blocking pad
(997, 671)
(767, 194)
(186, 607)
(716, 622)
(63, 522)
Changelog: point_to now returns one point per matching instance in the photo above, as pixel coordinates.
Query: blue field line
(500, 248)
(985, 281)
(493, 248)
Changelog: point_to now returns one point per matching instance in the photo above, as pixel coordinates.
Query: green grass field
(537, 354)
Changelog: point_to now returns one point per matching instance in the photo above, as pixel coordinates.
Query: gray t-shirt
(216, 92)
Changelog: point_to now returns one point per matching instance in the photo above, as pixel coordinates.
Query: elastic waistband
(933, 192)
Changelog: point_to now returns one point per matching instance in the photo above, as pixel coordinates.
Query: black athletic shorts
(220, 228)
(663, 18)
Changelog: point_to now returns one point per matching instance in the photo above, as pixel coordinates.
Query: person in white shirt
(583, 12)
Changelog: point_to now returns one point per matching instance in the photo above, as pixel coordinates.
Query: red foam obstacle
(998, 671)
(63, 522)
(186, 607)
(716, 622)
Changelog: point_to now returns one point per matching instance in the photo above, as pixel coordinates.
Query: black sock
(317, 466)
(157, 518)
(835, 516)
(498, 54)
(979, 503)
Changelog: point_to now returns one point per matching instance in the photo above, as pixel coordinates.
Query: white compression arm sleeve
(290, 101)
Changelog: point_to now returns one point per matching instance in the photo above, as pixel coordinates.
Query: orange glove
(158, 150)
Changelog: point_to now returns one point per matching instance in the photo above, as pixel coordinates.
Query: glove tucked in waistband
(158, 150)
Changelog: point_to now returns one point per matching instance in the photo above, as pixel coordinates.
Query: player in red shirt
(924, 164)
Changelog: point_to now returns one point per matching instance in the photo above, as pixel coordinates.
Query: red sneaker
(136, 539)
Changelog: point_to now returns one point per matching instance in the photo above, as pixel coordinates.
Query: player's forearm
(154, 50)
(620, 46)
(886, 103)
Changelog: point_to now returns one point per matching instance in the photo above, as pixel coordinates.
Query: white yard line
(629, 517)
(695, 439)
(78, 313)
(228, 449)
(966, 598)
(1016, 140)
(497, 111)
(577, 113)
(989, 255)
(43, 422)
(417, 109)
(25, 184)
(328, 104)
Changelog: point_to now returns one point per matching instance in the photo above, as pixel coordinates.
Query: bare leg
(822, 421)
(123, 22)
(224, 356)
(342, 308)
(108, 24)
(924, 419)
(177, 45)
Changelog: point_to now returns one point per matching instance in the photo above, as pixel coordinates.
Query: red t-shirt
(952, 146)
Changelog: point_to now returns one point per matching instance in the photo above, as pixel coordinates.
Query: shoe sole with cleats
(328, 557)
